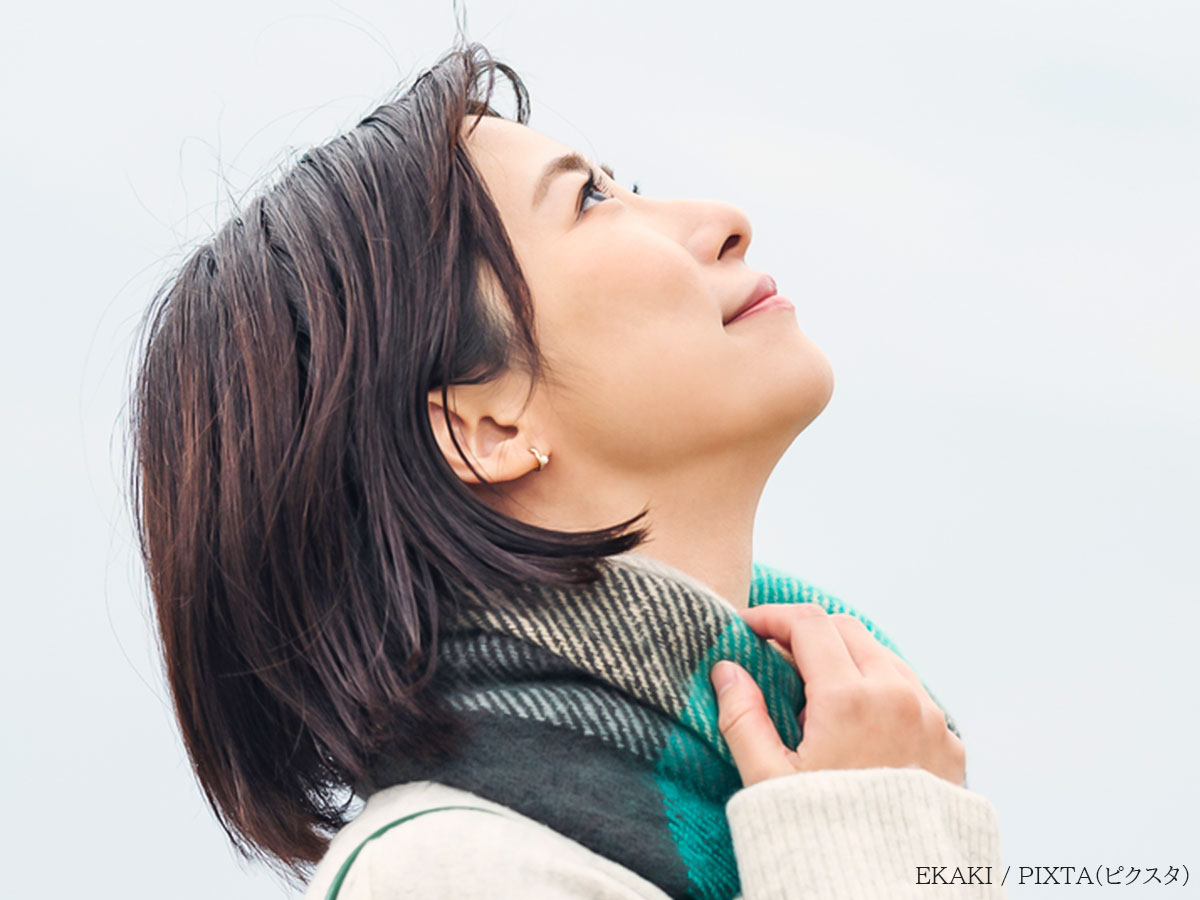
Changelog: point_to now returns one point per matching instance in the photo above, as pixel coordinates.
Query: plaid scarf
(595, 715)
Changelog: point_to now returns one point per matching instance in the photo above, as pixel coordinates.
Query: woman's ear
(493, 439)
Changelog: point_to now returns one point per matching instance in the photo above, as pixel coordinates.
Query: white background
(985, 213)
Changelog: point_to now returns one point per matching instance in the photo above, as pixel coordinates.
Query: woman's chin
(812, 388)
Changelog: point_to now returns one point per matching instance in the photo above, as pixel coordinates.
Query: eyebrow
(568, 162)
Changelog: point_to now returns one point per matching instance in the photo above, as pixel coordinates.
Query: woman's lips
(775, 301)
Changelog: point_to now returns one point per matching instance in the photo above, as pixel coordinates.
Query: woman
(384, 422)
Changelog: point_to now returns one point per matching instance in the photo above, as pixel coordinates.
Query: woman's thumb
(743, 721)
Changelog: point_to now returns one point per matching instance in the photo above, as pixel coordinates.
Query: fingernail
(723, 675)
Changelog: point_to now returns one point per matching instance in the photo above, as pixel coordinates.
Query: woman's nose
(735, 225)
(713, 230)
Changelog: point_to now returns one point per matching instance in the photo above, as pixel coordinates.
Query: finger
(871, 657)
(757, 750)
(755, 617)
(906, 672)
(905, 669)
(811, 637)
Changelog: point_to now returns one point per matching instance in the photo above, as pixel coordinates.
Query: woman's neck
(701, 517)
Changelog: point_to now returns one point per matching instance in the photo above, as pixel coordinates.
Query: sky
(986, 215)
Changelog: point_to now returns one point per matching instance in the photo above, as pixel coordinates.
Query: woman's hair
(300, 526)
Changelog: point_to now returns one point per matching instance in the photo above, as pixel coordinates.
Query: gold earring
(542, 460)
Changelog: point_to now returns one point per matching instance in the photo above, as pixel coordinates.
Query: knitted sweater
(836, 833)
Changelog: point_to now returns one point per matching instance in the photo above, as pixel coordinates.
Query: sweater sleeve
(865, 833)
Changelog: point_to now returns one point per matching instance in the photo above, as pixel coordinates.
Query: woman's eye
(590, 188)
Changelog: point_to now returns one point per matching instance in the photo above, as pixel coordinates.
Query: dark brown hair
(300, 527)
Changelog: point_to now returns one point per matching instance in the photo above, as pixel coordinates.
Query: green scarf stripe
(708, 854)
(703, 842)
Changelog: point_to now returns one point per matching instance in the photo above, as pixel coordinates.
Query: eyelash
(599, 185)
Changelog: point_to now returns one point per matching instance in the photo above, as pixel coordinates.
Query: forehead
(506, 145)
(510, 157)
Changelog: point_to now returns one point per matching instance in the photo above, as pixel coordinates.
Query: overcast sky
(985, 214)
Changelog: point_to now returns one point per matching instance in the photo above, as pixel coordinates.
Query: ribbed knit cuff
(864, 833)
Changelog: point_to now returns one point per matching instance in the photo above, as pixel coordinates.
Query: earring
(542, 460)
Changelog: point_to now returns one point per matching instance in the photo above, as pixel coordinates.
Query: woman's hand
(864, 707)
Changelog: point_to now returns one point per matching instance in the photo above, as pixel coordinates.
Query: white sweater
(837, 833)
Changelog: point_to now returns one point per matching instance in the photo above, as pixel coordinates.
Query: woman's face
(630, 297)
